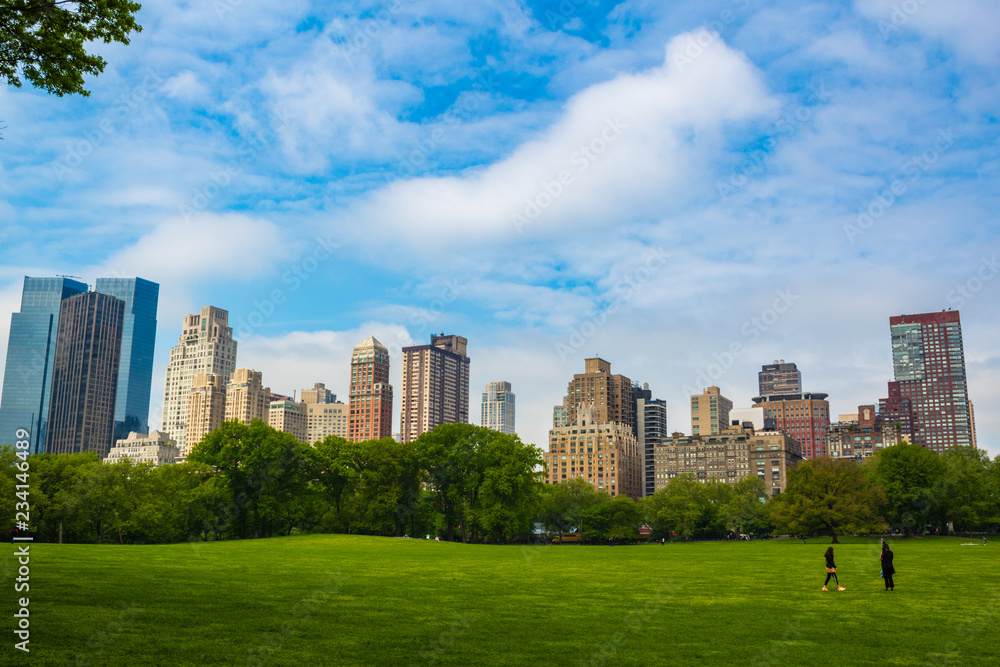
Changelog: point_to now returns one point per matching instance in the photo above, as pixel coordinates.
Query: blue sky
(657, 183)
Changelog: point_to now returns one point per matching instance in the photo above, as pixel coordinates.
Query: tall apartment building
(370, 393)
(135, 371)
(290, 417)
(804, 416)
(31, 349)
(729, 457)
(205, 345)
(323, 419)
(779, 378)
(206, 407)
(560, 414)
(498, 407)
(865, 434)
(246, 397)
(710, 412)
(435, 386)
(606, 454)
(85, 375)
(651, 423)
(929, 396)
(611, 395)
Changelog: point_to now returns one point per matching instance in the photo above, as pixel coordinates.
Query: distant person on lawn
(887, 569)
(831, 571)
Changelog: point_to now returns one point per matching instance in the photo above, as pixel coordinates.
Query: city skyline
(688, 190)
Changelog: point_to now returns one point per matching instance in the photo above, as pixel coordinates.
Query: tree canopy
(46, 41)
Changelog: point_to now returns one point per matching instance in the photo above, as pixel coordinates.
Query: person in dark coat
(887, 569)
(831, 571)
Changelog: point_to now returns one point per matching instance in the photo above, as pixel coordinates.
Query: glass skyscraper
(31, 347)
(135, 372)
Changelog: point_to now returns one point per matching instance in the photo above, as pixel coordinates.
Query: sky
(687, 189)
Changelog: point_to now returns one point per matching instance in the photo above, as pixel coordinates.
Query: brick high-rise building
(710, 412)
(246, 397)
(206, 407)
(928, 361)
(804, 416)
(370, 393)
(498, 407)
(779, 378)
(435, 386)
(205, 345)
(651, 424)
(85, 375)
(611, 396)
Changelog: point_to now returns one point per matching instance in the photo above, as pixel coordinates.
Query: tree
(830, 496)
(44, 40)
(911, 477)
(562, 507)
(679, 508)
(745, 511)
(965, 496)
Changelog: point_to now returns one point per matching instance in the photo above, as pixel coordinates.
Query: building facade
(435, 386)
(779, 378)
(31, 349)
(323, 419)
(761, 419)
(206, 346)
(318, 394)
(370, 393)
(155, 447)
(804, 416)
(290, 417)
(206, 408)
(85, 375)
(729, 457)
(612, 396)
(246, 397)
(859, 438)
(605, 454)
(498, 407)
(710, 412)
(651, 424)
(928, 362)
(135, 370)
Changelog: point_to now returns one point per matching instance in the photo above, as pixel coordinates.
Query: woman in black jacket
(831, 571)
(887, 569)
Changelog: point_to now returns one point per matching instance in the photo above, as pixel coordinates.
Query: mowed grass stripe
(333, 599)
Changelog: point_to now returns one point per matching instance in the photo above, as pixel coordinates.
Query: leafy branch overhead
(45, 41)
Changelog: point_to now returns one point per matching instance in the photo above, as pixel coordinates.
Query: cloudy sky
(688, 189)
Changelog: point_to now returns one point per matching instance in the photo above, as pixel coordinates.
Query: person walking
(887, 569)
(831, 571)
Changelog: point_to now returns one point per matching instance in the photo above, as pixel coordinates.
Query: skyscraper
(246, 397)
(31, 348)
(928, 361)
(435, 386)
(804, 416)
(651, 424)
(498, 407)
(205, 345)
(779, 378)
(135, 370)
(710, 412)
(611, 395)
(206, 408)
(85, 375)
(370, 414)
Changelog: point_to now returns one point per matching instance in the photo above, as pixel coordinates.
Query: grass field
(331, 599)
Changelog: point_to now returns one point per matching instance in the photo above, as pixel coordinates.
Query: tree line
(469, 483)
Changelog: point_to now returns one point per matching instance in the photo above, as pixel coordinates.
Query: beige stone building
(206, 408)
(156, 447)
(291, 417)
(435, 386)
(205, 345)
(246, 397)
(610, 395)
(323, 419)
(728, 457)
(318, 394)
(710, 412)
(605, 454)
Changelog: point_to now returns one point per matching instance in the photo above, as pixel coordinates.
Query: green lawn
(331, 599)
